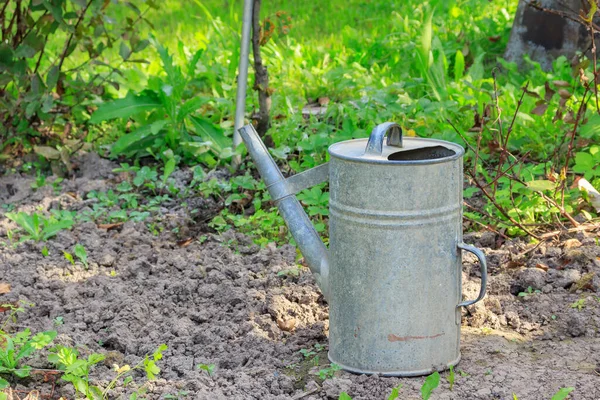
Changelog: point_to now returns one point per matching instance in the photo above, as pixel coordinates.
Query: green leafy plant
(344, 396)
(37, 227)
(69, 257)
(529, 292)
(451, 377)
(329, 372)
(81, 253)
(77, 371)
(45, 62)
(209, 368)
(578, 305)
(563, 393)
(395, 392)
(15, 349)
(430, 384)
(167, 112)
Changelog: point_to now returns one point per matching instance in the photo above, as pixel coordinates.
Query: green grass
(423, 64)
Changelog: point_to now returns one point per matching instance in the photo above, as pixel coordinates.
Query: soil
(220, 299)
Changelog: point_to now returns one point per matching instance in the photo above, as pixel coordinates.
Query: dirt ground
(221, 301)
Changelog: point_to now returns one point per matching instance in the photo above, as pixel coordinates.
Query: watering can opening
(423, 153)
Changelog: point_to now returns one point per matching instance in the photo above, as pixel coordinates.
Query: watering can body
(392, 274)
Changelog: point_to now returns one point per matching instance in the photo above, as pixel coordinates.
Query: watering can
(392, 273)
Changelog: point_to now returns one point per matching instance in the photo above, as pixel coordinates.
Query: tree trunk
(547, 29)
(261, 79)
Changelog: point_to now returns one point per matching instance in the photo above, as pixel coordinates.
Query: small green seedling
(563, 393)
(45, 251)
(395, 393)
(529, 291)
(579, 304)
(209, 368)
(328, 373)
(69, 257)
(81, 254)
(430, 384)
(344, 396)
(37, 227)
(307, 353)
(59, 321)
(451, 377)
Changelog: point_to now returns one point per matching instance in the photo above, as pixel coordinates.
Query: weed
(166, 112)
(77, 371)
(451, 377)
(430, 384)
(529, 292)
(329, 372)
(59, 321)
(37, 227)
(18, 347)
(81, 253)
(344, 396)
(45, 251)
(209, 368)
(395, 393)
(579, 304)
(563, 393)
(69, 257)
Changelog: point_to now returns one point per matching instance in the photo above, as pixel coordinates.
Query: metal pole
(240, 100)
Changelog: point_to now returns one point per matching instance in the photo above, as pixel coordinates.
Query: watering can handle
(375, 143)
(483, 265)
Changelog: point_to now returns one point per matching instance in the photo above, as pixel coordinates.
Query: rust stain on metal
(394, 338)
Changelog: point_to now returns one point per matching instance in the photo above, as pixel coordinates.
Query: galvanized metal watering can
(392, 274)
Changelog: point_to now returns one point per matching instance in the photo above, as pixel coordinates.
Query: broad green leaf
(3, 385)
(124, 51)
(157, 126)
(591, 129)
(210, 132)
(169, 168)
(130, 139)
(95, 358)
(80, 385)
(541, 185)
(52, 228)
(425, 40)
(459, 66)
(190, 106)
(344, 396)
(431, 382)
(22, 372)
(81, 253)
(583, 162)
(125, 108)
(52, 77)
(563, 393)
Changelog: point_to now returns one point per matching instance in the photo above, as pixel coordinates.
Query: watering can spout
(283, 192)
